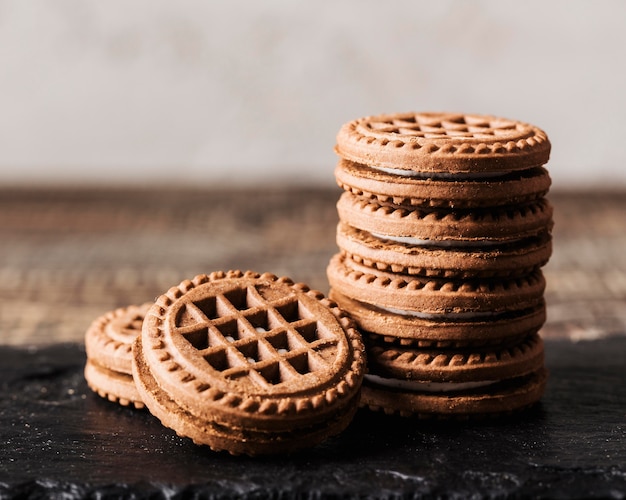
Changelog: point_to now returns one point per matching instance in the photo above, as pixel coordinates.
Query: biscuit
(465, 261)
(428, 296)
(443, 143)
(441, 330)
(455, 383)
(250, 364)
(108, 343)
(454, 191)
(440, 226)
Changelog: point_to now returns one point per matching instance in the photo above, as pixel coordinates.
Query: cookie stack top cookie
(444, 227)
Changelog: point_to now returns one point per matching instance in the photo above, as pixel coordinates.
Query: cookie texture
(108, 344)
(444, 227)
(249, 363)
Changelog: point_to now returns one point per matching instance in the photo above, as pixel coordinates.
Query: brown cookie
(425, 296)
(443, 143)
(108, 343)
(454, 191)
(441, 330)
(455, 382)
(249, 363)
(421, 258)
(446, 226)
(500, 398)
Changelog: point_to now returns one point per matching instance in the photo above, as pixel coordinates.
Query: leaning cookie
(108, 343)
(455, 383)
(249, 364)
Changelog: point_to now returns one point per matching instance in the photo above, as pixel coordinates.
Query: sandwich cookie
(430, 296)
(108, 343)
(455, 383)
(444, 143)
(440, 330)
(445, 259)
(248, 363)
(497, 225)
(447, 190)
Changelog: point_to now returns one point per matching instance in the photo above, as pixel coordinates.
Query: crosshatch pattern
(396, 130)
(441, 127)
(255, 337)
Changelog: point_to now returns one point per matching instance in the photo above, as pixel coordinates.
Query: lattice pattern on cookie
(250, 336)
(479, 134)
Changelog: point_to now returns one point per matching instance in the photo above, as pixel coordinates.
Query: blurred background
(194, 93)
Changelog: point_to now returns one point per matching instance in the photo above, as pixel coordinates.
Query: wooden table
(68, 256)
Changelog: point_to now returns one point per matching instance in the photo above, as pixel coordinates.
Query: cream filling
(415, 386)
(419, 314)
(420, 242)
(438, 175)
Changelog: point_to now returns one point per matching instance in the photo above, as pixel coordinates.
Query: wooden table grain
(68, 256)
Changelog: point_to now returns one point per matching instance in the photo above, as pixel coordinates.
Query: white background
(246, 92)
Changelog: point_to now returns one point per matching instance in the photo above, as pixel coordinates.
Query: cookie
(250, 364)
(442, 330)
(496, 225)
(455, 383)
(414, 256)
(108, 343)
(402, 187)
(426, 296)
(443, 143)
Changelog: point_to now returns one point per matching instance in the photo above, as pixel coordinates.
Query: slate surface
(62, 441)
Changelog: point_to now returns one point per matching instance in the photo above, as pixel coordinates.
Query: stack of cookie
(444, 228)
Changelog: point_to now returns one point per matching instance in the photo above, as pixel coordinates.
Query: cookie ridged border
(363, 180)
(521, 220)
(432, 294)
(503, 261)
(359, 143)
(522, 357)
(265, 405)
(392, 329)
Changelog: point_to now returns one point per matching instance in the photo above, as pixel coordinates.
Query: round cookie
(425, 296)
(403, 187)
(457, 383)
(108, 344)
(441, 330)
(248, 363)
(443, 142)
(501, 398)
(439, 226)
(420, 258)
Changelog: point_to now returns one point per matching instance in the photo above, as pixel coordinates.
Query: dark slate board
(62, 441)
